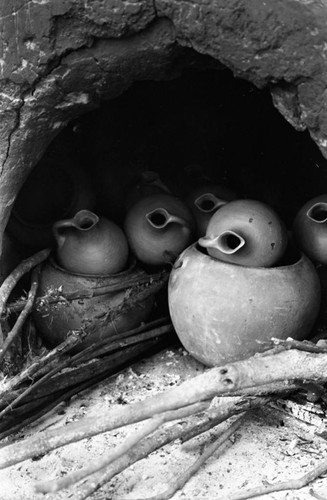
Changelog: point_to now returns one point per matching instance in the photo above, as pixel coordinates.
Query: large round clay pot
(54, 320)
(205, 200)
(158, 228)
(246, 232)
(224, 312)
(90, 244)
(310, 229)
(54, 190)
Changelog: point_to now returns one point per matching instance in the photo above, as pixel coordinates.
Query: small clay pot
(310, 229)
(54, 320)
(90, 244)
(205, 200)
(223, 312)
(246, 232)
(158, 228)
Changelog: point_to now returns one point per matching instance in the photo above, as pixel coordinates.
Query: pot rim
(301, 258)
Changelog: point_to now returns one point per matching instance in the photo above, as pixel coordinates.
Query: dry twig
(161, 277)
(291, 484)
(154, 423)
(184, 430)
(23, 315)
(11, 281)
(218, 445)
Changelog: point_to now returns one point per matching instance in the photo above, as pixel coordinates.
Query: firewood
(216, 447)
(23, 315)
(289, 366)
(291, 484)
(149, 427)
(184, 430)
(79, 370)
(11, 281)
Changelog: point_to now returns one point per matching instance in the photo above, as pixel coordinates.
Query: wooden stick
(184, 430)
(89, 293)
(81, 368)
(30, 372)
(46, 404)
(256, 371)
(23, 315)
(216, 446)
(112, 361)
(11, 281)
(97, 371)
(291, 484)
(149, 427)
(300, 345)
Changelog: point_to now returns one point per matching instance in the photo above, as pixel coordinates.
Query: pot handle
(228, 242)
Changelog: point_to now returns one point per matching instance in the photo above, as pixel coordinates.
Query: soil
(271, 446)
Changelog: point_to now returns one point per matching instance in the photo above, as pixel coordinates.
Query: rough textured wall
(59, 58)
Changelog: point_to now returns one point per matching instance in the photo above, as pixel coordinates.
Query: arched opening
(203, 126)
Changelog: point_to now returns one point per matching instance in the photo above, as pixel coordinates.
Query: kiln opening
(204, 125)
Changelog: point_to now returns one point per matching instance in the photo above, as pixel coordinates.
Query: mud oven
(99, 96)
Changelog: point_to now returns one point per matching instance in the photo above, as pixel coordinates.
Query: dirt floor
(270, 447)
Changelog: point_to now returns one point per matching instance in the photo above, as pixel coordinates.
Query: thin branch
(11, 281)
(97, 372)
(253, 372)
(90, 293)
(217, 446)
(83, 365)
(148, 428)
(54, 355)
(291, 484)
(23, 315)
(183, 430)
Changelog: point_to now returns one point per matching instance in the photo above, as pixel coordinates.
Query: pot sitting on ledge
(100, 306)
(223, 312)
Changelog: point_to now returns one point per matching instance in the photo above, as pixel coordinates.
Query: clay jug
(246, 232)
(148, 184)
(205, 200)
(224, 312)
(88, 244)
(158, 228)
(310, 229)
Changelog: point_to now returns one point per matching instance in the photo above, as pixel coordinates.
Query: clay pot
(52, 191)
(54, 320)
(148, 184)
(205, 200)
(246, 232)
(158, 228)
(90, 244)
(310, 229)
(223, 312)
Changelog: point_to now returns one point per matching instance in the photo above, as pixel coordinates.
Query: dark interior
(204, 124)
